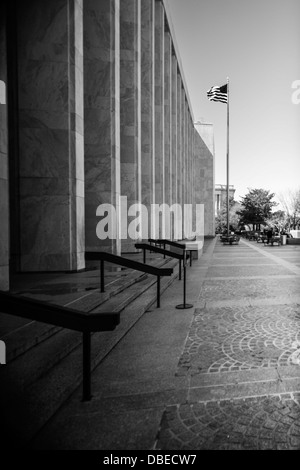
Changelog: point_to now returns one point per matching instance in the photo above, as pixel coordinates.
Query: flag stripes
(217, 93)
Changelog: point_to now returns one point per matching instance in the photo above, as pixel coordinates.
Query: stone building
(93, 106)
(221, 196)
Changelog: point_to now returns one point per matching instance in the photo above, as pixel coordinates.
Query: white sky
(257, 45)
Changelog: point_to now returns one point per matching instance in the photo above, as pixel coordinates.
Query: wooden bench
(230, 239)
(261, 238)
(273, 240)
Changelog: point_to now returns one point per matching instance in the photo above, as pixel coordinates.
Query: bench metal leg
(86, 364)
(158, 291)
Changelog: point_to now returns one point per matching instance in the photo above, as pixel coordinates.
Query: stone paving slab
(239, 288)
(259, 261)
(242, 338)
(247, 271)
(249, 302)
(248, 389)
(260, 423)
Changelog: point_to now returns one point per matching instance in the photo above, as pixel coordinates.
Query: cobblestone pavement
(231, 339)
(240, 288)
(242, 341)
(260, 423)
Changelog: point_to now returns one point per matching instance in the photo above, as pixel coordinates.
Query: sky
(257, 45)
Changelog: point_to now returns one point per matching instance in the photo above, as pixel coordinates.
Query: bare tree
(290, 201)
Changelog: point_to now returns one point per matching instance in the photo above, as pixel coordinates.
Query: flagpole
(227, 160)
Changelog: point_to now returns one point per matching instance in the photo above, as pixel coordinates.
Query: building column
(147, 107)
(4, 190)
(183, 156)
(159, 105)
(179, 141)
(50, 180)
(130, 107)
(190, 174)
(167, 115)
(102, 123)
(174, 133)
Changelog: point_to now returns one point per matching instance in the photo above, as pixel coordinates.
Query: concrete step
(38, 382)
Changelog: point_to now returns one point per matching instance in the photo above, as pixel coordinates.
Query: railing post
(158, 291)
(86, 366)
(180, 270)
(102, 275)
(184, 305)
(144, 255)
(184, 284)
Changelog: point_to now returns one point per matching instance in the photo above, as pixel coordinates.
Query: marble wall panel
(189, 150)
(159, 104)
(101, 115)
(147, 105)
(50, 95)
(4, 195)
(130, 105)
(183, 153)
(167, 113)
(179, 140)
(174, 132)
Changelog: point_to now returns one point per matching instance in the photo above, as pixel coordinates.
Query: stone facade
(93, 106)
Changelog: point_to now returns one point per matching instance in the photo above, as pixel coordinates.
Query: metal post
(184, 285)
(180, 270)
(145, 256)
(158, 291)
(86, 366)
(190, 257)
(184, 305)
(227, 158)
(102, 275)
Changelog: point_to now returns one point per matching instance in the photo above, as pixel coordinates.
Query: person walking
(269, 235)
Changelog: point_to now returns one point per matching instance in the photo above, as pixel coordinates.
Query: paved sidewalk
(222, 375)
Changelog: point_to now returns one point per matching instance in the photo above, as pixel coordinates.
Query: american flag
(218, 93)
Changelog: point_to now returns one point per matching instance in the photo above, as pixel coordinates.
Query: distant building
(221, 196)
